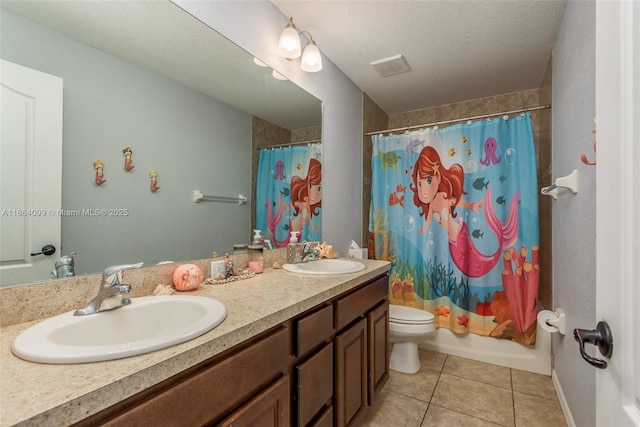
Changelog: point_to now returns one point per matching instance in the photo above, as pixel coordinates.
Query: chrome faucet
(310, 251)
(111, 291)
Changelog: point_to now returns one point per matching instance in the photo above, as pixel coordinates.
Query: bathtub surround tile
(394, 409)
(534, 411)
(535, 384)
(478, 371)
(438, 416)
(481, 400)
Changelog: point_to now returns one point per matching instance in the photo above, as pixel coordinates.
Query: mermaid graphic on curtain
(447, 206)
(289, 193)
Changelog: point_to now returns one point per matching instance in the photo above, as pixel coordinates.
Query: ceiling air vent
(392, 65)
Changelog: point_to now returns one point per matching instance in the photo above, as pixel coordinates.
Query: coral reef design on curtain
(289, 193)
(456, 211)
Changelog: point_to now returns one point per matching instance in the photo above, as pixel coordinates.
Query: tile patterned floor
(453, 391)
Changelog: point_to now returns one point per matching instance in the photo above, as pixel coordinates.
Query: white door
(618, 208)
(30, 172)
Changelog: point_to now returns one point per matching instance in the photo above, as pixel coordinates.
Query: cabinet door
(268, 409)
(315, 384)
(351, 374)
(209, 393)
(378, 336)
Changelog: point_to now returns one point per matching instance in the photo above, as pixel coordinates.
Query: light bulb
(259, 63)
(311, 58)
(289, 44)
(278, 76)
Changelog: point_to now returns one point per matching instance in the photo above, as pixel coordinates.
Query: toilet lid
(409, 315)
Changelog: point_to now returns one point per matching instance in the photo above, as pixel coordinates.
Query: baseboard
(563, 402)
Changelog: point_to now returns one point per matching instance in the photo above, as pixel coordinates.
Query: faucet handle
(309, 245)
(109, 271)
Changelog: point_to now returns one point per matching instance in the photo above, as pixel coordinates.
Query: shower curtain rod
(446, 122)
(311, 141)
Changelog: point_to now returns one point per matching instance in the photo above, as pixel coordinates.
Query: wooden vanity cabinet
(362, 350)
(322, 368)
(247, 383)
(343, 357)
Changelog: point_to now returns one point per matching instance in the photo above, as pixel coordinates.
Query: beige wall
(374, 120)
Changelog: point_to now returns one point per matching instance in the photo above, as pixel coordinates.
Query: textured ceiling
(457, 50)
(161, 37)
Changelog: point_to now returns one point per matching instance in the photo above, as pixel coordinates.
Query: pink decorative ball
(187, 277)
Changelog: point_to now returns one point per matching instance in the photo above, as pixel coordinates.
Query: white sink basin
(147, 324)
(325, 266)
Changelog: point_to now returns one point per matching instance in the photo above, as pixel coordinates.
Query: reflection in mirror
(191, 107)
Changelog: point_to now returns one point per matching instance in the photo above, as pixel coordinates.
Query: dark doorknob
(46, 250)
(600, 337)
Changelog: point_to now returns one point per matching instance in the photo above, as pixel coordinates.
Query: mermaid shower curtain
(456, 211)
(289, 193)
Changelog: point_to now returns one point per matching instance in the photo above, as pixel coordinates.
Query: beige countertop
(55, 395)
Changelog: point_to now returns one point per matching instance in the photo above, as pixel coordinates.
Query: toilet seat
(409, 316)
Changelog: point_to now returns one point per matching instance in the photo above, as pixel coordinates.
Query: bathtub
(501, 352)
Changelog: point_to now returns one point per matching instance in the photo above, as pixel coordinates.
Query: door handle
(600, 337)
(46, 250)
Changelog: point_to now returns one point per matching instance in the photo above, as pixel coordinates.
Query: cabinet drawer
(313, 329)
(359, 302)
(326, 419)
(315, 384)
(213, 392)
(268, 409)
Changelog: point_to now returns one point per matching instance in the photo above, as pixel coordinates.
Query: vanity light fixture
(278, 76)
(311, 58)
(259, 63)
(289, 47)
(289, 44)
(274, 73)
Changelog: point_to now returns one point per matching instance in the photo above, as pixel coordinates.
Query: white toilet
(407, 327)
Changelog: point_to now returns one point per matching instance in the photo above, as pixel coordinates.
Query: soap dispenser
(293, 248)
(257, 238)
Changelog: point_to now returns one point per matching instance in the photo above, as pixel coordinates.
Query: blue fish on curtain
(289, 193)
(456, 211)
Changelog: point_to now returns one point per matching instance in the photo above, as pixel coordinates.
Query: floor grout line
(430, 406)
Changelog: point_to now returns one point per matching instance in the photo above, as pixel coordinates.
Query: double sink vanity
(292, 348)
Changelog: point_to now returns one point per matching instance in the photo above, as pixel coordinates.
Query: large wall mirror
(185, 100)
